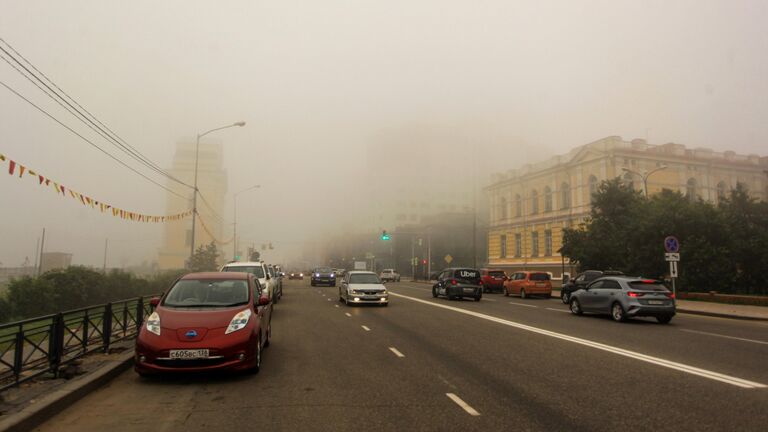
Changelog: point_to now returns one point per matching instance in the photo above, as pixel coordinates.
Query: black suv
(582, 280)
(457, 283)
(323, 275)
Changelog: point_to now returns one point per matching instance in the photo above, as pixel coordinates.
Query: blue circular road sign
(672, 244)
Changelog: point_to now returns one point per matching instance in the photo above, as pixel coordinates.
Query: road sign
(671, 244)
(448, 258)
(673, 269)
(669, 256)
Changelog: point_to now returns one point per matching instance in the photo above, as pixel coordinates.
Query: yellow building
(212, 183)
(530, 206)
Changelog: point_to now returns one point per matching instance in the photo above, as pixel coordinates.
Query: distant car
(323, 275)
(457, 283)
(277, 279)
(389, 275)
(296, 275)
(206, 321)
(259, 270)
(493, 279)
(360, 287)
(528, 283)
(625, 297)
(582, 280)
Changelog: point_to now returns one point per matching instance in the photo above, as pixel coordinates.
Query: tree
(204, 259)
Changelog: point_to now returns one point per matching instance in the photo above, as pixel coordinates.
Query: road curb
(58, 400)
(721, 315)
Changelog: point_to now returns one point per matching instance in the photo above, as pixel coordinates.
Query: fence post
(106, 326)
(86, 321)
(139, 314)
(18, 354)
(125, 319)
(57, 344)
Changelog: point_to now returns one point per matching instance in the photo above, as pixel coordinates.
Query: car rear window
(257, 271)
(539, 276)
(647, 286)
(468, 274)
(495, 273)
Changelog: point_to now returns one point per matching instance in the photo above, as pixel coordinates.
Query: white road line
(739, 382)
(365, 328)
(726, 336)
(397, 353)
(328, 299)
(347, 314)
(558, 310)
(471, 411)
(523, 304)
(335, 305)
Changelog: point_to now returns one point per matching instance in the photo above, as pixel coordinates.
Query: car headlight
(239, 321)
(153, 323)
(301, 274)
(317, 274)
(333, 274)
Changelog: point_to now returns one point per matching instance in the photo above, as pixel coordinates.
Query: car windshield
(323, 270)
(207, 293)
(364, 278)
(496, 273)
(540, 276)
(257, 271)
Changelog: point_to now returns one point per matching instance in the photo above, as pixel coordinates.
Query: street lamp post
(644, 176)
(196, 191)
(234, 197)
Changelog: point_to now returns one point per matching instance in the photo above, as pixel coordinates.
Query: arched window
(690, 189)
(534, 202)
(592, 188)
(518, 206)
(565, 195)
(503, 208)
(629, 180)
(547, 199)
(721, 191)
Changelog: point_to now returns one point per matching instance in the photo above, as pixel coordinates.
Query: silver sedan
(360, 287)
(625, 297)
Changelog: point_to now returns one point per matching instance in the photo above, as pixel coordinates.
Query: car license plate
(371, 298)
(539, 284)
(655, 302)
(189, 354)
(469, 290)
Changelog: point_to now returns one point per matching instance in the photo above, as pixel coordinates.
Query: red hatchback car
(493, 279)
(526, 283)
(206, 321)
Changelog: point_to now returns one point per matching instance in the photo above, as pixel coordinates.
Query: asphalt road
(429, 364)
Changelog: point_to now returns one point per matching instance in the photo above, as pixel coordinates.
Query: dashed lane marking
(347, 314)
(396, 352)
(558, 310)
(523, 304)
(365, 328)
(471, 411)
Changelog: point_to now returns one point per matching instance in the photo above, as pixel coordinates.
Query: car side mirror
(154, 301)
(263, 301)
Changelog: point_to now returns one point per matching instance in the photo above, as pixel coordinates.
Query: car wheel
(434, 292)
(664, 319)
(522, 293)
(477, 298)
(385, 304)
(312, 283)
(506, 293)
(565, 297)
(617, 312)
(576, 307)
(257, 366)
(269, 334)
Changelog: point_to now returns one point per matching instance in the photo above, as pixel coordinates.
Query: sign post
(672, 246)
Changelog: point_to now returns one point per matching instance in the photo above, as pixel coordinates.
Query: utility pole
(42, 248)
(104, 267)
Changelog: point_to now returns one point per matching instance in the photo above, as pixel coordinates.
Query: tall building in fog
(212, 183)
(531, 205)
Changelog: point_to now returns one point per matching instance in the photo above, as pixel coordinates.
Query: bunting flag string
(205, 228)
(17, 169)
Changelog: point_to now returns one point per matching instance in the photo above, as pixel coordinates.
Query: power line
(87, 140)
(210, 207)
(112, 137)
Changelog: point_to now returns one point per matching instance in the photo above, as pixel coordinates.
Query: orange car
(527, 283)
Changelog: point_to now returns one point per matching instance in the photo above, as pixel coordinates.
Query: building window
(503, 253)
(690, 189)
(592, 188)
(547, 199)
(534, 202)
(518, 245)
(518, 206)
(534, 244)
(548, 243)
(503, 208)
(721, 191)
(565, 195)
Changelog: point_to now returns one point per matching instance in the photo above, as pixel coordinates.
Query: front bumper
(323, 280)
(368, 298)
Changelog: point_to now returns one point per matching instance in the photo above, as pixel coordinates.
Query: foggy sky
(316, 81)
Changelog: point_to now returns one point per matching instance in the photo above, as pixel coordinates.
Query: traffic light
(424, 262)
(384, 235)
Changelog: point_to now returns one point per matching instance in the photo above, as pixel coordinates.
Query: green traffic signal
(384, 235)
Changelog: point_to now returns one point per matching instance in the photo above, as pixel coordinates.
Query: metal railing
(36, 346)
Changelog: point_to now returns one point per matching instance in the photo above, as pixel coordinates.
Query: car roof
(360, 272)
(244, 264)
(216, 275)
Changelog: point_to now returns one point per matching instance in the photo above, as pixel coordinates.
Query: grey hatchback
(625, 297)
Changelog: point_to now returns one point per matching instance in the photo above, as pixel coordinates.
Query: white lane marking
(365, 328)
(471, 411)
(739, 382)
(335, 305)
(397, 353)
(446, 382)
(726, 336)
(523, 304)
(558, 310)
(328, 299)
(347, 314)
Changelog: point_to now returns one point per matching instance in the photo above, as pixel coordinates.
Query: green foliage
(723, 248)
(204, 259)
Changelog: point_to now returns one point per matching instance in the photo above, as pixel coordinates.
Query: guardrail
(37, 346)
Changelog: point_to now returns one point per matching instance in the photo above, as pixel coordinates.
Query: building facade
(532, 205)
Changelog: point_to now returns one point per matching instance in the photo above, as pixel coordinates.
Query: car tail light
(670, 295)
(635, 294)
(481, 282)
(453, 281)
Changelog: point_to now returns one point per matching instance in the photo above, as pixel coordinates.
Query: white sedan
(359, 287)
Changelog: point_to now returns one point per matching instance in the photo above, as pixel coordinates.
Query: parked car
(527, 283)
(389, 275)
(259, 270)
(493, 279)
(323, 275)
(582, 280)
(206, 321)
(296, 275)
(625, 297)
(359, 287)
(457, 283)
(277, 279)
